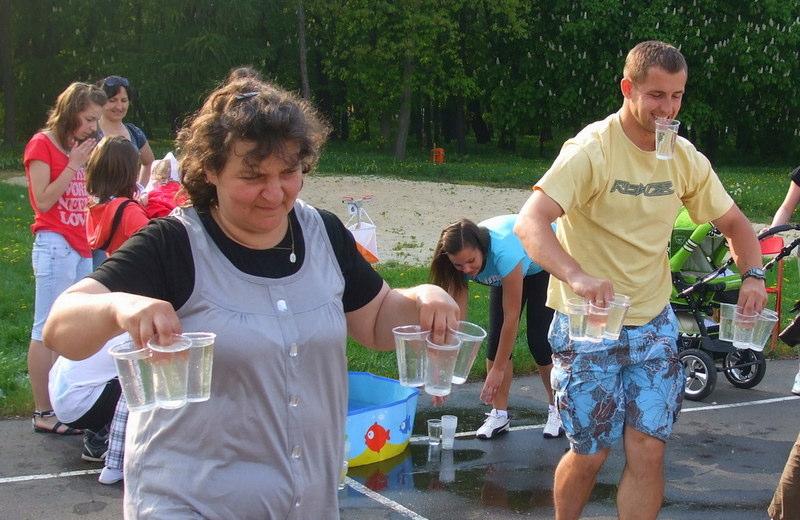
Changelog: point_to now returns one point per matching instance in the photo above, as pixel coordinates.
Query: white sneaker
(110, 476)
(553, 427)
(796, 385)
(493, 425)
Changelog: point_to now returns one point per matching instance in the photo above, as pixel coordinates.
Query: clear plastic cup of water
(743, 326)
(410, 344)
(666, 135)
(201, 362)
(617, 309)
(726, 316)
(596, 320)
(762, 330)
(170, 371)
(434, 431)
(135, 375)
(471, 337)
(577, 309)
(449, 423)
(439, 365)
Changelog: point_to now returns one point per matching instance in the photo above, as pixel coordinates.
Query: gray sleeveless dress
(270, 441)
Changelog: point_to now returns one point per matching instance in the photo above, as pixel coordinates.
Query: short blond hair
(652, 53)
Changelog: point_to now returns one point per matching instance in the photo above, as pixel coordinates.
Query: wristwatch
(754, 272)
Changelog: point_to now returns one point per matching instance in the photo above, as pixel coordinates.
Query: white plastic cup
(439, 365)
(577, 309)
(666, 135)
(449, 423)
(434, 431)
(617, 309)
(471, 337)
(135, 375)
(596, 320)
(410, 347)
(170, 371)
(764, 326)
(201, 362)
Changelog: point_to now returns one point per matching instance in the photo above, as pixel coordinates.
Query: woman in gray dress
(281, 284)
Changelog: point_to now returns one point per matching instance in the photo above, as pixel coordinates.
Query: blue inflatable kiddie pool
(380, 417)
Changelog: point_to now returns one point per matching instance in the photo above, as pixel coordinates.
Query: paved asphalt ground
(722, 463)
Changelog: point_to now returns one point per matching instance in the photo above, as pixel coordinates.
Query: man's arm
(540, 242)
(746, 252)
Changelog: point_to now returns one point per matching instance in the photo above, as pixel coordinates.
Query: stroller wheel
(700, 373)
(746, 376)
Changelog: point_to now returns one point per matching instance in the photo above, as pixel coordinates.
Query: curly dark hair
(454, 238)
(245, 109)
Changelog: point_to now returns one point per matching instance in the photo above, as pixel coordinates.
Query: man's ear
(626, 86)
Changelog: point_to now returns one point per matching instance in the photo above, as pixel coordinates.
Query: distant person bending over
(164, 193)
(280, 283)
(120, 93)
(490, 254)
(615, 203)
(54, 162)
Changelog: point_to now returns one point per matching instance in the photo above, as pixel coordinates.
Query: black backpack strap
(115, 223)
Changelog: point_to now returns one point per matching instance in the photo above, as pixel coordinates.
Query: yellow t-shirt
(620, 204)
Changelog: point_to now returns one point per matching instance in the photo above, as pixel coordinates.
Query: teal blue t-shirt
(505, 252)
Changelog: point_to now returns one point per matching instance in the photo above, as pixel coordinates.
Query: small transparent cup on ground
(410, 343)
(439, 364)
(170, 370)
(762, 330)
(471, 337)
(666, 135)
(135, 375)
(201, 361)
(577, 309)
(434, 431)
(617, 309)
(449, 423)
(596, 320)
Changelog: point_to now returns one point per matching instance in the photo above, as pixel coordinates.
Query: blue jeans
(56, 266)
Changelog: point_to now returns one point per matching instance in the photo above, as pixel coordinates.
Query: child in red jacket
(163, 193)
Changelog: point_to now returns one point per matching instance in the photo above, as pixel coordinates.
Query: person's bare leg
(500, 401)
(40, 360)
(544, 373)
(574, 480)
(641, 488)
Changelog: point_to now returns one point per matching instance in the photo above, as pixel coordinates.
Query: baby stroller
(701, 280)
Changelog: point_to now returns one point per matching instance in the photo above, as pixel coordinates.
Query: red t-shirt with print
(67, 217)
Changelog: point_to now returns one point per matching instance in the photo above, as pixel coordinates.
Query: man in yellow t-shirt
(616, 203)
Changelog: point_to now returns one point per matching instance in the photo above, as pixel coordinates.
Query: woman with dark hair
(490, 254)
(120, 93)
(280, 283)
(54, 159)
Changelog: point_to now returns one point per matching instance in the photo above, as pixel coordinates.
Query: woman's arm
(784, 213)
(146, 157)
(87, 315)
(46, 193)
(512, 303)
(428, 305)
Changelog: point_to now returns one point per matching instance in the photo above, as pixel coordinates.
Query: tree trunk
(483, 133)
(301, 39)
(458, 125)
(405, 112)
(7, 74)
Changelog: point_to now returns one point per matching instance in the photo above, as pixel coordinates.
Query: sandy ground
(408, 215)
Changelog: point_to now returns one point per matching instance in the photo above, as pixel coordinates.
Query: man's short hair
(652, 53)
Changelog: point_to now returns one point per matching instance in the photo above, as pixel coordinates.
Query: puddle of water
(470, 419)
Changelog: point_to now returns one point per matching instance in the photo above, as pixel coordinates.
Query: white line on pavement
(399, 508)
(44, 476)
(737, 405)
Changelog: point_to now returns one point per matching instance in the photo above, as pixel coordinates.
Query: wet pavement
(723, 462)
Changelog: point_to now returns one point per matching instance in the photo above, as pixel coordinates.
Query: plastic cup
(743, 327)
(434, 431)
(471, 337)
(170, 370)
(439, 365)
(596, 320)
(449, 423)
(577, 309)
(726, 315)
(617, 309)
(666, 135)
(201, 361)
(410, 347)
(763, 329)
(135, 375)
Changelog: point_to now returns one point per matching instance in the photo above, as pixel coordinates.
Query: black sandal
(55, 429)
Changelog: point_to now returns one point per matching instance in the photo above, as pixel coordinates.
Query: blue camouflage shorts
(634, 381)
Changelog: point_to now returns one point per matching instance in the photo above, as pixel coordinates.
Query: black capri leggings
(100, 414)
(539, 316)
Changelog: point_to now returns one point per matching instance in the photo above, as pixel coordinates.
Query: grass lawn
(758, 191)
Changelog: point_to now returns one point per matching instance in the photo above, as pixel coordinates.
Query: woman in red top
(111, 178)
(54, 159)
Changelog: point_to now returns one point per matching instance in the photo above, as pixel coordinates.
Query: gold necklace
(292, 256)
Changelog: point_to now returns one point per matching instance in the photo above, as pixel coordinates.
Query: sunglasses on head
(116, 81)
